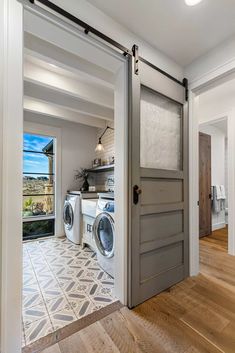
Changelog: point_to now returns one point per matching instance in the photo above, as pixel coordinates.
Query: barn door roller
(135, 51)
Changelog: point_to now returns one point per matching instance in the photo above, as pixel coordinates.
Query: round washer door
(68, 215)
(104, 234)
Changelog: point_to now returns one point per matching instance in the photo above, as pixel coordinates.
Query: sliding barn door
(158, 147)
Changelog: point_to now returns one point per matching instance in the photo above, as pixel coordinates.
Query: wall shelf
(101, 168)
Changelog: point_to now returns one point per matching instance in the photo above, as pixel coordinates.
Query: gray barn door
(158, 145)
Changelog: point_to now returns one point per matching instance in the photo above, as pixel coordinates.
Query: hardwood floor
(218, 238)
(195, 316)
(215, 263)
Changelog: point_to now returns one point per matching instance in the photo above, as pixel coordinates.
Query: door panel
(160, 131)
(154, 262)
(160, 226)
(160, 282)
(160, 83)
(205, 223)
(159, 174)
(159, 191)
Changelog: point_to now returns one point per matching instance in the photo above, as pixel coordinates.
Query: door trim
(11, 111)
(209, 80)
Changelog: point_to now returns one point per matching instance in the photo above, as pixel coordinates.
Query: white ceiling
(183, 33)
(65, 86)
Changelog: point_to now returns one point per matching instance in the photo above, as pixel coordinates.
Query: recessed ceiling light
(192, 2)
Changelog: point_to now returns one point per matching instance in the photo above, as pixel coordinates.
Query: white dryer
(104, 235)
(72, 218)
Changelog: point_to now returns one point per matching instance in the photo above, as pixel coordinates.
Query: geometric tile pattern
(61, 283)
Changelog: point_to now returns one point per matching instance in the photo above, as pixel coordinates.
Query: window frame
(53, 132)
(52, 216)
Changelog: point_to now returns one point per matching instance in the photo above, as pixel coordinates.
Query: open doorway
(214, 109)
(74, 180)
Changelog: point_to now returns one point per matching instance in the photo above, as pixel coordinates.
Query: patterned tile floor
(61, 283)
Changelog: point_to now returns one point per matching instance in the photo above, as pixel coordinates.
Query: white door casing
(12, 160)
(12, 120)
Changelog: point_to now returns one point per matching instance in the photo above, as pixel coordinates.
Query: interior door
(205, 223)
(158, 145)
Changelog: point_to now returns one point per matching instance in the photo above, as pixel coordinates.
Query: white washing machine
(72, 218)
(104, 234)
(72, 215)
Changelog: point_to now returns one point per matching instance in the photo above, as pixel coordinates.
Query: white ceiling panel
(183, 33)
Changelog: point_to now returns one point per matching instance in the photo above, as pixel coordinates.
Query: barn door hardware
(135, 51)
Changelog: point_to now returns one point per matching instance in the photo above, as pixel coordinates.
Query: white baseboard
(218, 226)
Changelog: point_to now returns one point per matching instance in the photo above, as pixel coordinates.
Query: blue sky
(35, 162)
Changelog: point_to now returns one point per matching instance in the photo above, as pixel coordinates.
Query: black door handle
(136, 192)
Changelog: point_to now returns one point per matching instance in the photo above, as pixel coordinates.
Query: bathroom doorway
(214, 114)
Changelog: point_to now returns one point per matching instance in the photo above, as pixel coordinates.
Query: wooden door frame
(210, 80)
(202, 134)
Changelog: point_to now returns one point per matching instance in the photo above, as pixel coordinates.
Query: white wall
(219, 59)
(96, 18)
(108, 144)
(217, 101)
(217, 166)
(77, 148)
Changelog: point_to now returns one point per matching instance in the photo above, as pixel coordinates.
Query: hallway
(196, 315)
(215, 263)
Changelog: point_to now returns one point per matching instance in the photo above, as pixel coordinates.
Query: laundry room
(68, 190)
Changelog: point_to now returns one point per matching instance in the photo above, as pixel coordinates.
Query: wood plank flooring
(195, 316)
(218, 238)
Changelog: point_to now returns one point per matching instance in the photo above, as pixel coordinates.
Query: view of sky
(35, 162)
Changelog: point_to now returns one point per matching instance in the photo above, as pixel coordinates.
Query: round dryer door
(104, 234)
(68, 215)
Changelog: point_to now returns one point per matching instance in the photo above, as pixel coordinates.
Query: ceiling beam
(43, 74)
(46, 109)
(64, 100)
(72, 40)
(51, 53)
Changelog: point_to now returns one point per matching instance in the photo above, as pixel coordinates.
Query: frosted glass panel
(160, 132)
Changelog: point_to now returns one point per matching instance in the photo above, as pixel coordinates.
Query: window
(38, 186)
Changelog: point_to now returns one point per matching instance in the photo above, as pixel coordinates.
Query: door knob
(136, 192)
